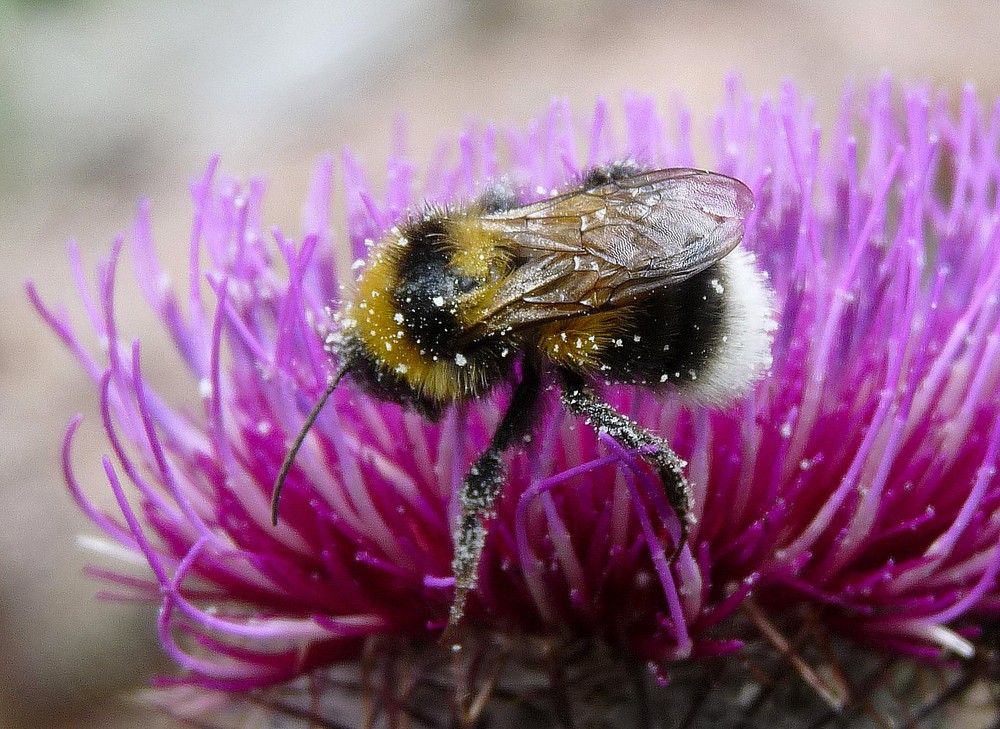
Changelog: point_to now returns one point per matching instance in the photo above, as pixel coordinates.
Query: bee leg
(613, 172)
(580, 399)
(497, 198)
(480, 489)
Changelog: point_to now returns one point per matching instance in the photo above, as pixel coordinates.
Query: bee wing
(611, 244)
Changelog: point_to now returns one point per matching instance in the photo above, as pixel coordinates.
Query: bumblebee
(633, 277)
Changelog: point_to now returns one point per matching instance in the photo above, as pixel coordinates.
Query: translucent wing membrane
(609, 245)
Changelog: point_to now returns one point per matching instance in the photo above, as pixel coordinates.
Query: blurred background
(106, 101)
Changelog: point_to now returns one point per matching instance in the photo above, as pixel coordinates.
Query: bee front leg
(480, 489)
(580, 399)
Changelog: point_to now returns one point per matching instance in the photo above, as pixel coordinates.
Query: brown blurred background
(105, 101)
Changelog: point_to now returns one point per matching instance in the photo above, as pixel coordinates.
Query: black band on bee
(426, 288)
(674, 334)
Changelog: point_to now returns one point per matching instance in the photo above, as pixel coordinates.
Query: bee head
(382, 378)
(406, 335)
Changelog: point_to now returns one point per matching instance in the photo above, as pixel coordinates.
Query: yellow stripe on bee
(578, 342)
(482, 255)
(475, 250)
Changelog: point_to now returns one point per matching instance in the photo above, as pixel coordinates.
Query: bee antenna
(286, 465)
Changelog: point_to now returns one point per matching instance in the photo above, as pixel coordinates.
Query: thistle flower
(855, 486)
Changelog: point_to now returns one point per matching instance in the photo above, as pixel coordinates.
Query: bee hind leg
(581, 400)
(480, 489)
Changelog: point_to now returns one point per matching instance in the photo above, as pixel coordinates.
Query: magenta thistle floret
(858, 478)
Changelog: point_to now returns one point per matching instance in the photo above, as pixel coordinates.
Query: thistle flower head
(858, 479)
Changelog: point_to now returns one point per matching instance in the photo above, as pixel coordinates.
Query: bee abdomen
(672, 336)
(709, 336)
